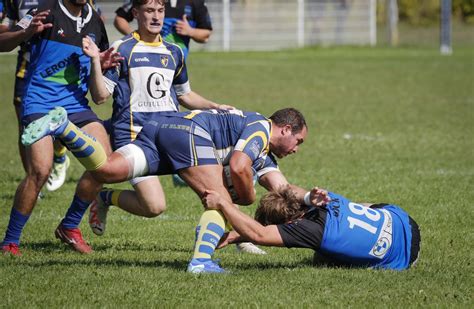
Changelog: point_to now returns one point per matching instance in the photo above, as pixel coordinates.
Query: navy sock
(59, 159)
(15, 227)
(75, 213)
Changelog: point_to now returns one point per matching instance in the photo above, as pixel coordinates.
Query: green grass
(385, 125)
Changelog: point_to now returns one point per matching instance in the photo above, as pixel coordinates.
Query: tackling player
(199, 146)
(340, 231)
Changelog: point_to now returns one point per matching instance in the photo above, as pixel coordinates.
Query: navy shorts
(79, 119)
(171, 144)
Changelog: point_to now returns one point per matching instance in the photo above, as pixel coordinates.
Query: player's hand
(110, 59)
(89, 48)
(211, 200)
(225, 107)
(224, 241)
(319, 197)
(183, 27)
(37, 26)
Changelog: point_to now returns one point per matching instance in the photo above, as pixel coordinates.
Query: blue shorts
(171, 144)
(79, 119)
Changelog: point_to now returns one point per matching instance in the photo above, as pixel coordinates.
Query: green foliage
(386, 125)
(424, 12)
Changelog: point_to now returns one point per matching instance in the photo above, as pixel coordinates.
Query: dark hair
(138, 3)
(278, 207)
(289, 116)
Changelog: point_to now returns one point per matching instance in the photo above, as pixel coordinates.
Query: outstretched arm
(192, 100)
(247, 227)
(99, 92)
(11, 39)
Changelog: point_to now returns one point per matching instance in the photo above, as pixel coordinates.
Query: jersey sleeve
(302, 233)
(269, 165)
(254, 140)
(103, 44)
(202, 17)
(180, 81)
(125, 11)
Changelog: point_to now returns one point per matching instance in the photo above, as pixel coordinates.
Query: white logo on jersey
(384, 241)
(143, 59)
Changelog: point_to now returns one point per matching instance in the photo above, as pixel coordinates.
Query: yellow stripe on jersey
(192, 114)
(137, 36)
(193, 146)
(257, 134)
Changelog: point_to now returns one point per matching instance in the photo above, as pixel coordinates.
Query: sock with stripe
(209, 231)
(84, 147)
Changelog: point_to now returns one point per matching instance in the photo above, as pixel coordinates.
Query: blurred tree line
(425, 12)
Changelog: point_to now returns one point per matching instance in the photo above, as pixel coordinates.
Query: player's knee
(38, 176)
(154, 209)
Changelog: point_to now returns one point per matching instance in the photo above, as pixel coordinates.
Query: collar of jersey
(80, 19)
(137, 37)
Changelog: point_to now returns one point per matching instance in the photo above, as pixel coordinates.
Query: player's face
(289, 142)
(150, 17)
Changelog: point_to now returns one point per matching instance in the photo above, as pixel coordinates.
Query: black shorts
(415, 236)
(79, 119)
(415, 241)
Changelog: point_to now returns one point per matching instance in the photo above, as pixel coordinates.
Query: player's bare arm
(241, 178)
(11, 39)
(247, 227)
(193, 100)
(97, 88)
(198, 35)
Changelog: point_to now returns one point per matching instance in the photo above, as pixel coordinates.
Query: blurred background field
(385, 125)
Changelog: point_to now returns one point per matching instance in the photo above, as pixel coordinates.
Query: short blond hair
(278, 207)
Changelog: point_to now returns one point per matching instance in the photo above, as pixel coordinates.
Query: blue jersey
(206, 137)
(367, 236)
(354, 234)
(59, 71)
(146, 82)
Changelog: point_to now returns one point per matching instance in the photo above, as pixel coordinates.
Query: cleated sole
(46, 125)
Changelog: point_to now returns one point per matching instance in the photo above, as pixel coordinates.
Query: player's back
(359, 235)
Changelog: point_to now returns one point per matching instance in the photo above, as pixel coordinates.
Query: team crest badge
(164, 61)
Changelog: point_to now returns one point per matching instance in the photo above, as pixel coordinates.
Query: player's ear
(135, 12)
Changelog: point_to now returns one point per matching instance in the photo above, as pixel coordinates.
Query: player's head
(150, 15)
(277, 207)
(288, 132)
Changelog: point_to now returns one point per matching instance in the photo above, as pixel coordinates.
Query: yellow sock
(211, 228)
(59, 149)
(84, 147)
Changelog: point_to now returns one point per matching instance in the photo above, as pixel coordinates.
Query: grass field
(385, 125)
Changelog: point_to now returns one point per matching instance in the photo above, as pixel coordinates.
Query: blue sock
(75, 213)
(106, 196)
(15, 226)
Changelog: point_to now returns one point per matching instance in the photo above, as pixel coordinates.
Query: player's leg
(38, 162)
(211, 226)
(147, 200)
(88, 187)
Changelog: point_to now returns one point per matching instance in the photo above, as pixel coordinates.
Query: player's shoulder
(125, 44)
(173, 48)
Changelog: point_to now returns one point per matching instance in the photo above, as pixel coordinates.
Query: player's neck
(74, 10)
(148, 37)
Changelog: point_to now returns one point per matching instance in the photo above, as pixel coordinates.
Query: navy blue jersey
(146, 82)
(206, 137)
(354, 234)
(59, 71)
(196, 13)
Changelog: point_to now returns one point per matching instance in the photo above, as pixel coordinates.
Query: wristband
(307, 200)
